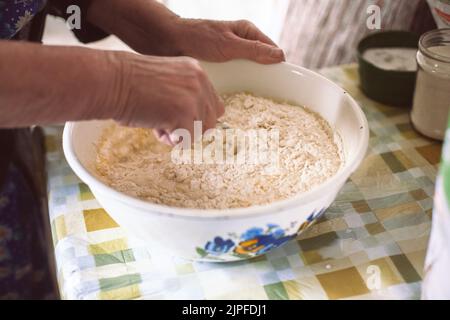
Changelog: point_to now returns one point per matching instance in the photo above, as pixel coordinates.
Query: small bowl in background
(391, 87)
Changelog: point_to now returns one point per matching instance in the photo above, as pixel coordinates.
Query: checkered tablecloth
(370, 244)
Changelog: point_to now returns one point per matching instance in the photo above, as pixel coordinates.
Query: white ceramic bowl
(234, 234)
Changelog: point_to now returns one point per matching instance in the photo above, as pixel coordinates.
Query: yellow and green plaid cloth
(378, 226)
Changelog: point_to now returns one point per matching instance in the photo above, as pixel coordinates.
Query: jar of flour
(432, 95)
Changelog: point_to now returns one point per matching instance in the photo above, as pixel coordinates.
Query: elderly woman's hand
(170, 93)
(163, 94)
(220, 41)
(150, 28)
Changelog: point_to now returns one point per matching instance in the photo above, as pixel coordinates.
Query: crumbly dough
(132, 161)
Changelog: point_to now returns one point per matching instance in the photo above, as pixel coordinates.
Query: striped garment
(322, 33)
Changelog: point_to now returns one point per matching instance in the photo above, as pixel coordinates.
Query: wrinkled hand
(150, 28)
(170, 93)
(220, 41)
(164, 94)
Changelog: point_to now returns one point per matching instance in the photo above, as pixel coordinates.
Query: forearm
(145, 25)
(151, 29)
(49, 84)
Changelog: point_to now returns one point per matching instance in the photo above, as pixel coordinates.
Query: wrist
(182, 35)
(117, 88)
(99, 13)
(178, 36)
(146, 26)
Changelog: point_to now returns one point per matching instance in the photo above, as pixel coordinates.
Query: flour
(132, 161)
(398, 59)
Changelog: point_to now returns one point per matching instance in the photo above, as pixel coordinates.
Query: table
(371, 244)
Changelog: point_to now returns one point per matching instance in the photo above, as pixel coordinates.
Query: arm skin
(150, 28)
(45, 84)
(50, 84)
(146, 26)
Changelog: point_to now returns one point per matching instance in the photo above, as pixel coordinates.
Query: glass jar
(432, 95)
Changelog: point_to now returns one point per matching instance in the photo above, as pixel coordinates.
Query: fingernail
(277, 53)
(159, 133)
(167, 140)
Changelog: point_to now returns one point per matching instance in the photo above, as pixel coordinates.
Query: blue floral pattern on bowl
(254, 241)
(218, 246)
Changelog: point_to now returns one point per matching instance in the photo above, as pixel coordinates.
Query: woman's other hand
(150, 28)
(220, 41)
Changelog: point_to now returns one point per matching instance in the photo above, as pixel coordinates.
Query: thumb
(255, 50)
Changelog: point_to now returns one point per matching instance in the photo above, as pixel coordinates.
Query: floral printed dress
(16, 14)
(24, 272)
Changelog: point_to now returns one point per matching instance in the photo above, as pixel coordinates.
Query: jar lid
(435, 39)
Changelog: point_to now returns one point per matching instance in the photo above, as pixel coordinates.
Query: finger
(255, 50)
(247, 30)
(163, 137)
(213, 106)
(189, 125)
(210, 119)
(209, 111)
(216, 103)
(220, 109)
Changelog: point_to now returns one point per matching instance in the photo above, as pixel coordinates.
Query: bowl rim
(231, 213)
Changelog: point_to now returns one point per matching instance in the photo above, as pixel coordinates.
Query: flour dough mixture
(132, 161)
